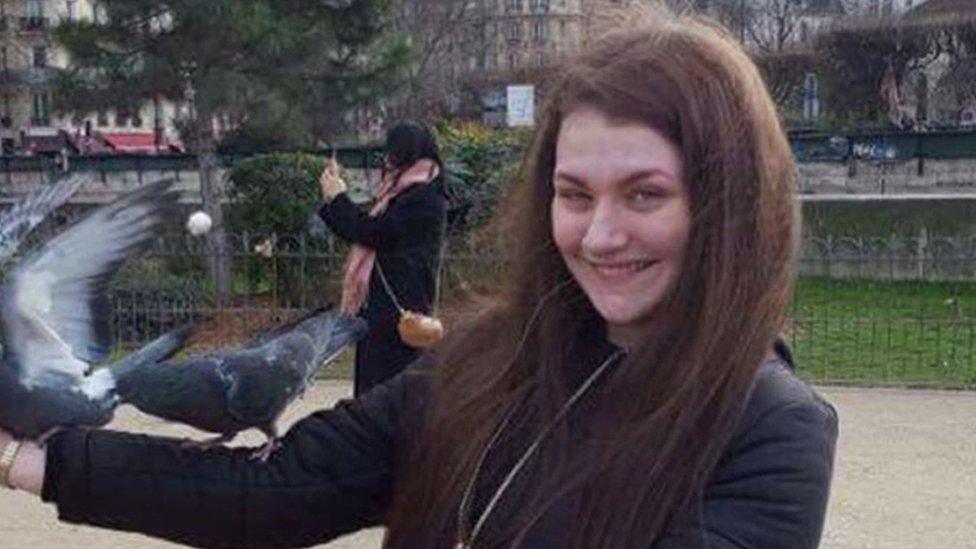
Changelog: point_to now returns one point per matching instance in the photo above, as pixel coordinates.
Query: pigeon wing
(20, 219)
(55, 309)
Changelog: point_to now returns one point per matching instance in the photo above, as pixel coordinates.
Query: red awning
(133, 142)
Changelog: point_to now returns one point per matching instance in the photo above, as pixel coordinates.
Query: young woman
(625, 393)
(399, 239)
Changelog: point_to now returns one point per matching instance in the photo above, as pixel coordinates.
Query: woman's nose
(606, 232)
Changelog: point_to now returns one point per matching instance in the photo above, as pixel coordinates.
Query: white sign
(520, 105)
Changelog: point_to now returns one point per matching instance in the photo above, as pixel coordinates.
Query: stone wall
(919, 175)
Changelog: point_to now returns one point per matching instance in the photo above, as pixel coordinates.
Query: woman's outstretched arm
(333, 474)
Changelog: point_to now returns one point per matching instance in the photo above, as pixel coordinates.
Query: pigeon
(56, 321)
(233, 390)
(27, 214)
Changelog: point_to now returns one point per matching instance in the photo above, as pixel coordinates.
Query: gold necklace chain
(466, 540)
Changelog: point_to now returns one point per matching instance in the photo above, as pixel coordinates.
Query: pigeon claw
(207, 443)
(263, 453)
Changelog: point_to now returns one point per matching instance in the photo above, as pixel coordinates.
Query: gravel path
(905, 476)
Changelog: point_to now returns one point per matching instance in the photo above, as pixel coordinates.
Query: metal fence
(880, 311)
(883, 145)
(894, 310)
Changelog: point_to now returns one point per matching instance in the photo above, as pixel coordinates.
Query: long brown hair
(674, 402)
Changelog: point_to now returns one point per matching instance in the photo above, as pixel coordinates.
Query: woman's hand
(330, 181)
(27, 470)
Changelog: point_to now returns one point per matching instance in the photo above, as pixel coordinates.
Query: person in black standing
(398, 239)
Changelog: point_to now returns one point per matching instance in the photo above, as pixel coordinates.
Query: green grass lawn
(900, 333)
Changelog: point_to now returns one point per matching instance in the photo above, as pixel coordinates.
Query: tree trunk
(212, 193)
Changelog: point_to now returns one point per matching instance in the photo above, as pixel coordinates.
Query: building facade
(29, 62)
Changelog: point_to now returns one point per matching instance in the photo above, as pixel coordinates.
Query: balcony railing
(33, 23)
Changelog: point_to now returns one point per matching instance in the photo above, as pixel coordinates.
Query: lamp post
(742, 21)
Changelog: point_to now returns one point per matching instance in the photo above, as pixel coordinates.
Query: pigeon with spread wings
(55, 316)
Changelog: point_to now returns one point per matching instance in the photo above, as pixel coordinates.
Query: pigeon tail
(331, 331)
(122, 375)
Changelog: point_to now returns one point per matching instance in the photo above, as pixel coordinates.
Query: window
(562, 29)
(3, 58)
(33, 16)
(35, 8)
(40, 56)
(122, 117)
(513, 5)
(887, 7)
(69, 9)
(514, 31)
(539, 6)
(136, 120)
(539, 30)
(511, 60)
(873, 7)
(41, 111)
(540, 59)
(102, 119)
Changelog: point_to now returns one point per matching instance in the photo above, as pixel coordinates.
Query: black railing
(34, 23)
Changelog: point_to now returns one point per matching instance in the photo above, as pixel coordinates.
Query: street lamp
(742, 21)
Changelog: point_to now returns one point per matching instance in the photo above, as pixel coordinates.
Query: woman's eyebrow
(637, 175)
(561, 175)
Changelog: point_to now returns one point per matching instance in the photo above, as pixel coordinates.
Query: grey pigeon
(55, 317)
(229, 391)
(34, 208)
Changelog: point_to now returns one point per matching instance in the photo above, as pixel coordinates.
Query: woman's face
(620, 217)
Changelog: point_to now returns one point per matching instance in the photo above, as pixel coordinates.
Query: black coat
(407, 239)
(336, 469)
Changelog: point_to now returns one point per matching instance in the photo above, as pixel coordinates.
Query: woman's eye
(573, 196)
(645, 196)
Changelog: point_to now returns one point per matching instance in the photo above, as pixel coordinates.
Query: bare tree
(444, 35)
(772, 25)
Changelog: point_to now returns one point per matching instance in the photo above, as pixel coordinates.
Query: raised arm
(415, 212)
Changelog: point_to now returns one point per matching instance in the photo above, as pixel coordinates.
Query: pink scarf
(359, 265)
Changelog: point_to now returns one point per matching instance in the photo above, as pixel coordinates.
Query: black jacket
(335, 469)
(407, 240)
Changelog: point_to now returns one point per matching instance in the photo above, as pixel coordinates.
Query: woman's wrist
(9, 448)
(24, 467)
(332, 197)
(27, 472)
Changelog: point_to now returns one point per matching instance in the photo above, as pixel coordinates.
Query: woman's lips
(619, 269)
